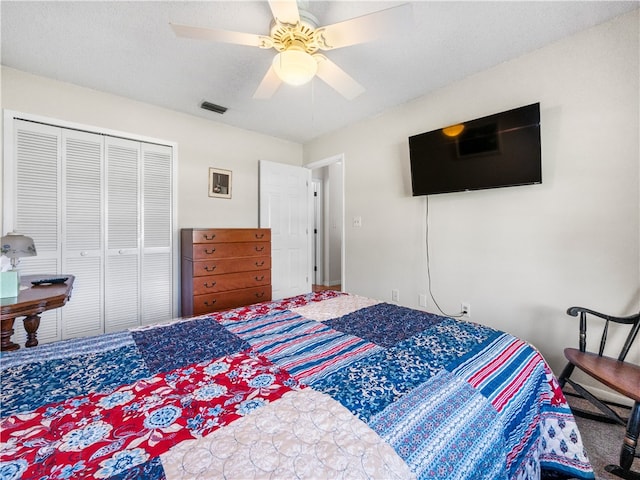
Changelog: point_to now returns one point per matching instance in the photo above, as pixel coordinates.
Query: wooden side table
(30, 303)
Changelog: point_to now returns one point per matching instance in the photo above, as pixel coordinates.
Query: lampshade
(295, 66)
(14, 246)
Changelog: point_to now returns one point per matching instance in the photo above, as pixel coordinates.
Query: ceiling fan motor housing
(303, 34)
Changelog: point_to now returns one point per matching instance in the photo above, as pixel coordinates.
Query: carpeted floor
(602, 441)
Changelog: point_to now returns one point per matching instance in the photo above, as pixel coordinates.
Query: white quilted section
(334, 307)
(305, 434)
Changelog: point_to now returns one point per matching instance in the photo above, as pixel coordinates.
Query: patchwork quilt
(324, 385)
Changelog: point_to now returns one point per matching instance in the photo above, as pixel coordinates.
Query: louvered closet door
(82, 232)
(99, 208)
(36, 208)
(157, 264)
(122, 267)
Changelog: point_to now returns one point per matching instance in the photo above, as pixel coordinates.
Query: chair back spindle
(583, 332)
(603, 339)
(630, 339)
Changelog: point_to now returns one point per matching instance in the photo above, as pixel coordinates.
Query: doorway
(328, 182)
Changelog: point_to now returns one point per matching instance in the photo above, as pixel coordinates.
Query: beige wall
(522, 255)
(201, 143)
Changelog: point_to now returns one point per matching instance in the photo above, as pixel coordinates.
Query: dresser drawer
(203, 251)
(220, 266)
(231, 299)
(230, 281)
(222, 235)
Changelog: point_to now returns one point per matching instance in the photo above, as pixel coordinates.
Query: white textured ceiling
(128, 48)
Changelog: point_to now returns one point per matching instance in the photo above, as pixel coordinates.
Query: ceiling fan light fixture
(294, 66)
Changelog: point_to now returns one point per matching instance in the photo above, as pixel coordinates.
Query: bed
(324, 385)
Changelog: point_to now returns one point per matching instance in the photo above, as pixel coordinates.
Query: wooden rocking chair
(617, 374)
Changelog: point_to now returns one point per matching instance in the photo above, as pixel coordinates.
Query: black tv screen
(500, 150)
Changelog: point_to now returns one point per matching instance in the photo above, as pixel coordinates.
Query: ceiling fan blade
(217, 35)
(285, 11)
(337, 78)
(366, 28)
(268, 86)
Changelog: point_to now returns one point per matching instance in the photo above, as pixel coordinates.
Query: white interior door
(157, 238)
(31, 195)
(286, 208)
(122, 308)
(82, 231)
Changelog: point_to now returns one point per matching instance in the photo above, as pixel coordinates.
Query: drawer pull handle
(260, 295)
(209, 269)
(259, 264)
(259, 279)
(210, 252)
(210, 304)
(206, 285)
(259, 236)
(259, 249)
(207, 237)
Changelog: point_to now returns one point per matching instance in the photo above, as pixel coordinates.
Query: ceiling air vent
(213, 107)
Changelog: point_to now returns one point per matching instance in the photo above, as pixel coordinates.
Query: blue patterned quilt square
(367, 386)
(68, 369)
(168, 347)
(151, 470)
(385, 324)
(449, 342)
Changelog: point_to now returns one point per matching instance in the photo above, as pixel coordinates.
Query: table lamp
(14, 246)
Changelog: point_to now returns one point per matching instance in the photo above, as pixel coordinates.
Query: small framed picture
(219, 183)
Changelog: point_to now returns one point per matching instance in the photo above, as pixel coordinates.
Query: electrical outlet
(357, 221)
(465, 309)
(395, 295)
(422, 300)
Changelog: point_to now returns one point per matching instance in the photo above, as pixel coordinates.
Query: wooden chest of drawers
(224, 268)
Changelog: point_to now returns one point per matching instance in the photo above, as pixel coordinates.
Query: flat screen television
(500, 150)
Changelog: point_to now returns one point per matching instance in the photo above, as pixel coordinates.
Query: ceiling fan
(295, 34)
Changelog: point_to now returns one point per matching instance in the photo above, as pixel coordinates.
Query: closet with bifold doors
(99, 207)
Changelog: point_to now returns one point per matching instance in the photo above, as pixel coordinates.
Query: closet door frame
(9, 176)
